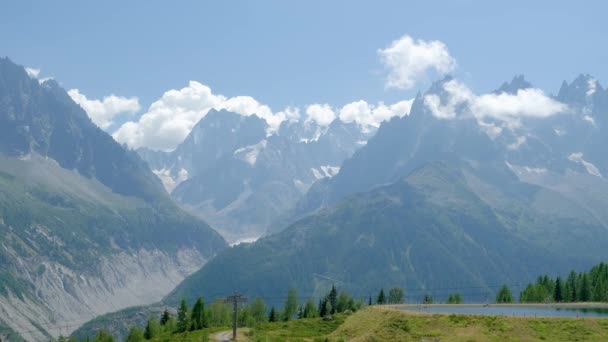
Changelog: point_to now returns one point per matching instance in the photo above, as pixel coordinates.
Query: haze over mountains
(446, 195)
(466, 189)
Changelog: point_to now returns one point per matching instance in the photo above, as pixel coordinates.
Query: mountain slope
(85, 227)
(429, 232)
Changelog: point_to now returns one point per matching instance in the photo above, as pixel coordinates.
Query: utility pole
(235, 299)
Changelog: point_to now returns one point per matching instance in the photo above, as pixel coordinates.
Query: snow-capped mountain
(239, 178)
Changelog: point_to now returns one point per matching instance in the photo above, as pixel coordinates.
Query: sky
(317, 55)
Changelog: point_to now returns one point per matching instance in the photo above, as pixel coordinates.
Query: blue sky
(286, 53)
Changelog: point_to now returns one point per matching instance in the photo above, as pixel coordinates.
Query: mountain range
(461, 194)
(234, 174)
(85, 226)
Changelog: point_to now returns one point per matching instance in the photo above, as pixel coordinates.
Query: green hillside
(427, 233)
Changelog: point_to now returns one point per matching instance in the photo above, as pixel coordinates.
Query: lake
(511, 310)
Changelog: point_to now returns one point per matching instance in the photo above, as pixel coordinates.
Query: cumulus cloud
(366, 114)
(409, 60)
(529, 102)
(170, 119)
(458, 100)
(322, 114)
(102, 112)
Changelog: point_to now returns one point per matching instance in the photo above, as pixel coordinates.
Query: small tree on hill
(291, 304)
(455, 298)
(333, 299)
(310, 311)
(183, 319)
(153, 328)
(258, 311)
(135, 335)
(273, 317)
(164, 317)
(198, 316)
(395, 295)
(381, 298)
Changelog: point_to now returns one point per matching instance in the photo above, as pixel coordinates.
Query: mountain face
(432, 204)
(568, 141)
(232, 173)
(85, 227)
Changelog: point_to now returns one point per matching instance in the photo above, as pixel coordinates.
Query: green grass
(312, 329)
(380, 324)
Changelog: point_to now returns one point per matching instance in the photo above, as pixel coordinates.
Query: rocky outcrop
(62, 299)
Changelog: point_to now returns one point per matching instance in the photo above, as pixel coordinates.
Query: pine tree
(323, 304)
(183, 321)
(198, 317)
(504, 295)
(164, 317)
(585, 288)
(273, 315)
(153, 328)
(381, 298)
(571, 294)
(333, 299)
(558, 294)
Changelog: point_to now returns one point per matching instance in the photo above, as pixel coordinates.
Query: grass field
(386, 324)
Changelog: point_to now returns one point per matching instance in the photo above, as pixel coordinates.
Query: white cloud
(590, 120)
(408, 61)
(591, 169)
(457, 95)
(322, 114)
(529, 102)
(32, 72)
(365, 114)
(170, 119)
(102, 112)
(509, 109)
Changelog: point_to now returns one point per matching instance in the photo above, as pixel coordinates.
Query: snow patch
(169, 181)
(591, 87)
(250, 153)
(591, 169)
(325, 171)
(517, 144)
(559, 132)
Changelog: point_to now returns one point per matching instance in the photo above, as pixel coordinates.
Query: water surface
(512, 310)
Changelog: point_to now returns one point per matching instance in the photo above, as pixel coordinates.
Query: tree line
(589, 286)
